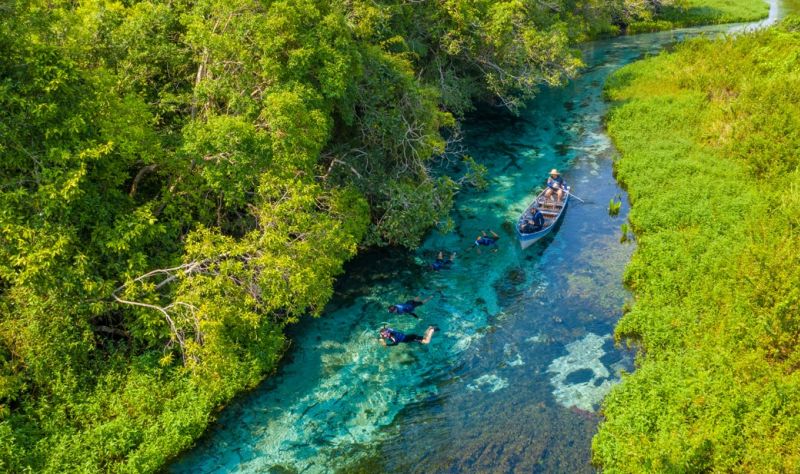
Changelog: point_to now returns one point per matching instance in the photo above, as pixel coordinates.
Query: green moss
(709, 137)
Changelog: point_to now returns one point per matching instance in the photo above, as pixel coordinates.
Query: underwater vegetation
(709, 137)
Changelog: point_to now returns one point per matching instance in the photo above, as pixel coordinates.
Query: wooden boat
(552, 211)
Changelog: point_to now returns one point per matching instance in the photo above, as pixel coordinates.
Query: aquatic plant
(614, 206)
(624, 229)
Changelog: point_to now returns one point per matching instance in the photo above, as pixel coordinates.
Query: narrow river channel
(524, 355)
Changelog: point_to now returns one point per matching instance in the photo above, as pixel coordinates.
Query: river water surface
(513, 379)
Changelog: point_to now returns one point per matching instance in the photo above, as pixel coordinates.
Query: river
(513, 379)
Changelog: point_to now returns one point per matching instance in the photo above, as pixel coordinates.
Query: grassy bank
(701, 12)
(709, 137)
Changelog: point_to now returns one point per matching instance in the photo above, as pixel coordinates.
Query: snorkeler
(487, 240)
(409, 306)
(392, 337)
(441, 263)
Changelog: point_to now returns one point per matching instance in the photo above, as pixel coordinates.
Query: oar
(576, 197)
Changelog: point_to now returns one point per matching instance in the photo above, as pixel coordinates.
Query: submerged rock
(489, 383)
(581, 380)
(512, 356)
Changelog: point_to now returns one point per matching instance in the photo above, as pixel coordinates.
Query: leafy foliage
(709, 137)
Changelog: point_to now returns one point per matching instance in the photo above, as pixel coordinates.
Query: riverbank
(701, 12)
(709, 137)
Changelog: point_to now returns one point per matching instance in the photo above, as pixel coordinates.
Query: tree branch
(139, 176)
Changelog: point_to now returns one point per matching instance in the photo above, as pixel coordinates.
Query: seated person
(487, 240)
(534, 224)
(409, 306)
(392, 337)
(441, 263)
(555, 184)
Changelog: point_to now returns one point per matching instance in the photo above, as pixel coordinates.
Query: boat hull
(529, 238)
(526, 240)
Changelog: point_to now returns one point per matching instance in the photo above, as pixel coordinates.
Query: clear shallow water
(512, 380)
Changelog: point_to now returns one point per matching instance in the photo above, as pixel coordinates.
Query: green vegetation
(614, 205)
(709, 138)
(698, 12)
(180, 180)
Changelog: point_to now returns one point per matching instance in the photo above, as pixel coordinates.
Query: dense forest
(709, 137)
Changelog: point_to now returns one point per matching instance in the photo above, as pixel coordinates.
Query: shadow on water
(512, 380)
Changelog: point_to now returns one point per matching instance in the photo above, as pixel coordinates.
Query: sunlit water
(524, 355)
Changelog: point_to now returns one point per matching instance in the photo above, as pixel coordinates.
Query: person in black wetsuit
(393, 337)
(409, 306)
(487, 240)
(534, 224)
(441, 263)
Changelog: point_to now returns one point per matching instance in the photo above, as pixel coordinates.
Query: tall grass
(709, 137)
(702, 12)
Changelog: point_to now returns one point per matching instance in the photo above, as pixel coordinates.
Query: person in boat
(555, 184)
(487, 240)
(393, 337)
(409, 306)
(533, 224)
(441, 263)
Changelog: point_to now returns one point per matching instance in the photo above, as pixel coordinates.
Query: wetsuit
(440, 264)
(408, 307)
(538, 223)
(538, 219)
(486, 240)
(394, 337)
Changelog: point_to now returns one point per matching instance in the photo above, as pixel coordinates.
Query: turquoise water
(524, 355)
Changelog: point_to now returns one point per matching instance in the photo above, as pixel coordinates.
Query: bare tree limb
(139, 176)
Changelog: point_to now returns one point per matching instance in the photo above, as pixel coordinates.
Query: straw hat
(554, 171)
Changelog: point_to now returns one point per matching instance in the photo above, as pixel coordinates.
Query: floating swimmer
(487, 240)
(441, 263)
(393, 337)
(409, 306)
